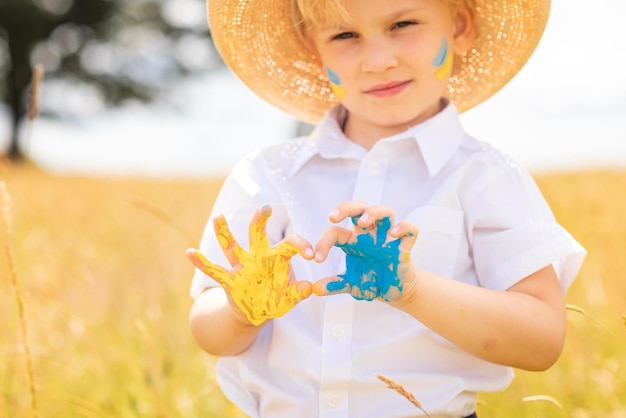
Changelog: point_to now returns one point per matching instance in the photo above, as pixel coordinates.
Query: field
(93, 271)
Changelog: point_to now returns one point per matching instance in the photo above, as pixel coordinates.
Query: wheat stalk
(161, 215)
(153, 369)
(8, 220)
(581, 311)
(545, 398)
(402, 391)
(575, 308)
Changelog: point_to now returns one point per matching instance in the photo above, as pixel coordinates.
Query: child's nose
(377, 56)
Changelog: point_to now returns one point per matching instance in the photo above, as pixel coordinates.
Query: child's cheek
(335, 84)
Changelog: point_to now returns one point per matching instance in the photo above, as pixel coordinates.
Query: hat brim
(260, 44)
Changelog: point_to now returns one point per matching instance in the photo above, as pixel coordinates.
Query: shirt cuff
(506, 257)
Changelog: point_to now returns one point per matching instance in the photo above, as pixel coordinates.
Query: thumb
(299, 291)
(331, 285)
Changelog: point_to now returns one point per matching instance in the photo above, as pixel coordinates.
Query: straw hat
(260, 44)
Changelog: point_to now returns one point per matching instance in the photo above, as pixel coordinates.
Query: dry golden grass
(392, 384)
(105, 285)
(103, 277)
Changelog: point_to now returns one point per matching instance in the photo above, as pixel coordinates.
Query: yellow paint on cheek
(443, 71)
(338, 91)
(443, 60)
(334, 81)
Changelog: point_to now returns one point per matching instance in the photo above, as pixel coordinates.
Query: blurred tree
(114, 49)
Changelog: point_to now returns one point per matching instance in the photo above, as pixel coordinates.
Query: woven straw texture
(259, 42)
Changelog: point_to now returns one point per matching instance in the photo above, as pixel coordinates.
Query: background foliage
(106, 50)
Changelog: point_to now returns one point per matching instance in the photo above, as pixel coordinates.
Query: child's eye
(403, 24)
(344, 35)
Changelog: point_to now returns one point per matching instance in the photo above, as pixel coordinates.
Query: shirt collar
(437, 138)
(327, 140)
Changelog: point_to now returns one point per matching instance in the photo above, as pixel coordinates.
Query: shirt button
(334, 400)
(373, 168)
(339, 331)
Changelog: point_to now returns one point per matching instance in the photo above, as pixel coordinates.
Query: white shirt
(481, 220)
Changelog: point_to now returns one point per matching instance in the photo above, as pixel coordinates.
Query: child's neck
(366, 133)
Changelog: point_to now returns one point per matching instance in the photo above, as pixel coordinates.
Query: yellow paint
(223, 236)
(338, 91)
(261, 287)
(443, 71)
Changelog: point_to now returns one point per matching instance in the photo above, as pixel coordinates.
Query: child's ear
(307, 40)
(311, 45)
(316, 55)
(465, 30)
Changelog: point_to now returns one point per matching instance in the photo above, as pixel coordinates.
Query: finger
(295, 244)
(376, 220)
(298, 291)
(207, 267)
(231, 249)
(330, 237)
(348, 209)
(379, 218)
(286, 250)
(373, 215)
(407, 232)
(383, 226)
(331, 285)
(258, 236)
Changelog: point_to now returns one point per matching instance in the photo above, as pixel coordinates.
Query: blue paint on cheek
(333, 77)
(440, 58)
(371, 265)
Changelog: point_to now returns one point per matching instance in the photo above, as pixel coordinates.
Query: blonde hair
(311, 13)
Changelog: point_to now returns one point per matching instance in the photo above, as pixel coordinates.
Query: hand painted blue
(371, 265)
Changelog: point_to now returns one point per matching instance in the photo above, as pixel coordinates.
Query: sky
(565, 110)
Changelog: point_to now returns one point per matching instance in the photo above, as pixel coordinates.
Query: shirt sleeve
(513, 232)
(247, 188)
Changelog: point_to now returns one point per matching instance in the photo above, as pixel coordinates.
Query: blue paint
(355, 222)
(333, 77)
(371, 265)
(440, 58)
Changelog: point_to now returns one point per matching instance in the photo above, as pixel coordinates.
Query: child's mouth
(388, 89)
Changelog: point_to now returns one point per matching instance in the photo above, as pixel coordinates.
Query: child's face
(390, 63)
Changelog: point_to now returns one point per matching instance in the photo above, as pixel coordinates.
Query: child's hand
(378, 261)
(259, 283)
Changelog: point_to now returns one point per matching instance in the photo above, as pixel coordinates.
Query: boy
(468, 283)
